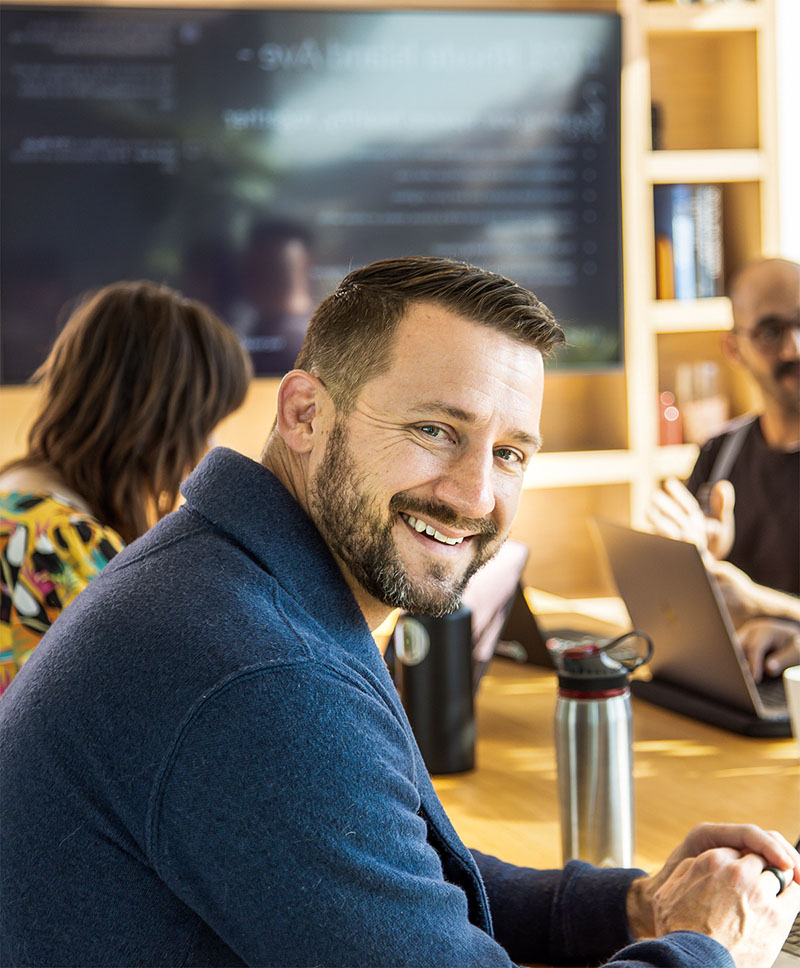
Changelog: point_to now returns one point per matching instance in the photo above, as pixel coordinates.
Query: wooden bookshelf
(711, 69)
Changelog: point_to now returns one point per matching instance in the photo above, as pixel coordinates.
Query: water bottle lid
(587, 669)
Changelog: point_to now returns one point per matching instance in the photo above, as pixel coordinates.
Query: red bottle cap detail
(587, 670)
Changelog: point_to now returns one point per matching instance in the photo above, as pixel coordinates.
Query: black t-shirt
(767, 509)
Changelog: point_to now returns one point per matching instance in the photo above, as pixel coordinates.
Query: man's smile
(421, 527)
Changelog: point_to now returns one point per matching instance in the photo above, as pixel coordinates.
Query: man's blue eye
(507, 454)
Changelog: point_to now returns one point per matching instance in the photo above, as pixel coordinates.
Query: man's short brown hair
(351, 334)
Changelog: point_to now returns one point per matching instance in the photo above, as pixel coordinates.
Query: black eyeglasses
(769, 332)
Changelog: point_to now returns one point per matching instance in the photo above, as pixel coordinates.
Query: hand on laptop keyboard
(770, 645)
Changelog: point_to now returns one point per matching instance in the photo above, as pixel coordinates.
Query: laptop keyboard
(772, 693)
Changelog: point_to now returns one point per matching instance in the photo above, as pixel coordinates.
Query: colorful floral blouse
(49, 551)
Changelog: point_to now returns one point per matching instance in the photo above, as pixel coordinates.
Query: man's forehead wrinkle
(375, 415)
(439, 406)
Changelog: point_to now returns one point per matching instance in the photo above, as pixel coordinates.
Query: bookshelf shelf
(676, 461)
(667, 17)
(581, 468)
(600, 467)
(690, 316)
(721, 165)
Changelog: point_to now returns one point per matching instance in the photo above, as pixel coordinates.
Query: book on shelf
(708, 244)
(684, 241)
(665, 264)
(688, 241)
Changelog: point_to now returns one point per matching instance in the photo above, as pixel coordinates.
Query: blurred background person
(754, 520)
(130, 393)
(741, 504)
(742, 500)
(276, 301)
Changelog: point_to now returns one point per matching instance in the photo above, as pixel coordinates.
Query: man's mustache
(786, 368)
(443, 514)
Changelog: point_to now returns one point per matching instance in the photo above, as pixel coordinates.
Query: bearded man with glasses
(742, 500)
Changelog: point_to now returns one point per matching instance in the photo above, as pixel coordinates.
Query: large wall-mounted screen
(252, 157)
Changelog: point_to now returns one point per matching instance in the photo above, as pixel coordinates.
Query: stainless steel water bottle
(433, 675)
(594, 754)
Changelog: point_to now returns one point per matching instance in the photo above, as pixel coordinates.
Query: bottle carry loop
(631, 660)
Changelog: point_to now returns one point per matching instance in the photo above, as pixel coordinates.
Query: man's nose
(467, 486)
(790, 347)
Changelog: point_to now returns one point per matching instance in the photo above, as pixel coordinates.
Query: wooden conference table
(685, 772)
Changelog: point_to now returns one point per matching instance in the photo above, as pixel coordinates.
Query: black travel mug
(433, 675)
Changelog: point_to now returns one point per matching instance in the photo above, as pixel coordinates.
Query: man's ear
(302, 398)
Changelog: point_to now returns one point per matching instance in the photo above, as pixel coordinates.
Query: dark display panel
(253, 157)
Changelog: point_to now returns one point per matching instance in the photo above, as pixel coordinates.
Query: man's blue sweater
(205, 762)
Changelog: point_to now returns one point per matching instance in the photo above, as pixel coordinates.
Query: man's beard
(787, 396)
(354, 529)
(773, 386)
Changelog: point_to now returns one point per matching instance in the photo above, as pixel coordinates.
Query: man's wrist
(639, 909)
(770, 603)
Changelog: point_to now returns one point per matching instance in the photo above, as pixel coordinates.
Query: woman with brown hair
(130, 394)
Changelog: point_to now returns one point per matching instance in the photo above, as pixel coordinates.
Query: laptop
(698, 667)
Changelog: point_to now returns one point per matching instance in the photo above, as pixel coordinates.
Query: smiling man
(418, 483)
(206, 763)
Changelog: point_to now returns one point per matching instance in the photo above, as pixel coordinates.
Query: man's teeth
(429, 529)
